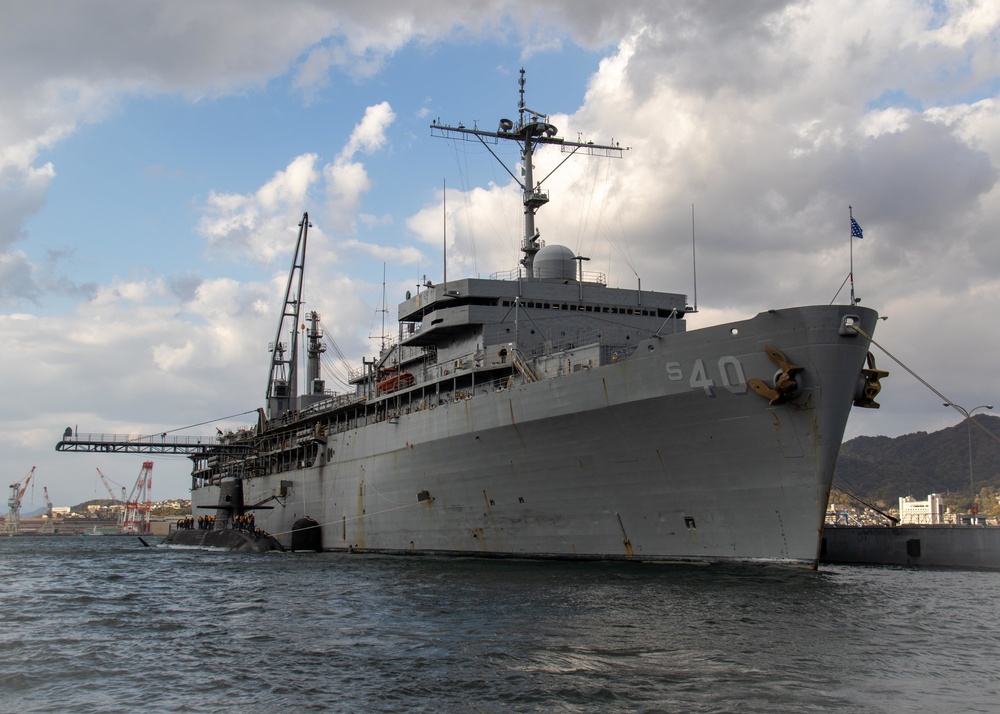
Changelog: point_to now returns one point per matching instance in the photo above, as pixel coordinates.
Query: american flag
(856, 230)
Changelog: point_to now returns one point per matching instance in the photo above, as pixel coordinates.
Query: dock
(915, 546)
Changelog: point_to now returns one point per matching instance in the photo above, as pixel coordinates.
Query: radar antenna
(532, 128)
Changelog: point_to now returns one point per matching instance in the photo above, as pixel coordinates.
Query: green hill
(882, 469)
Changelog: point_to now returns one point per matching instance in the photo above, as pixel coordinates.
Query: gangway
(148, 444)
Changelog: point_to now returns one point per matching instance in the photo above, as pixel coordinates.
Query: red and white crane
(115, 501)
(13, 523)
(139, 503)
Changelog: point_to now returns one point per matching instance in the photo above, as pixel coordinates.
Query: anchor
(785, 385)
(871, 386)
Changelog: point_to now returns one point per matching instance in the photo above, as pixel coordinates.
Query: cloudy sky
(155, 159)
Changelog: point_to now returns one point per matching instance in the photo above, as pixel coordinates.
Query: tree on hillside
(883, 469)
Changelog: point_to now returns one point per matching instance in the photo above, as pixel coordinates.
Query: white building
(929, 512)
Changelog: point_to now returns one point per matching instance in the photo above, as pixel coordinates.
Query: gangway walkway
(148, 444)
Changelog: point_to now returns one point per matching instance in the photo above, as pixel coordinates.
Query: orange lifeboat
(393, 382)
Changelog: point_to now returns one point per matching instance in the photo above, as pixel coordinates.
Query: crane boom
(24, 488)
(139, 503)
(120, 502)
(17, 489)
(104, 480)
(47, 527)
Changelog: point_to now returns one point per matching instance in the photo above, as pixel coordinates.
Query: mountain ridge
(883, 469)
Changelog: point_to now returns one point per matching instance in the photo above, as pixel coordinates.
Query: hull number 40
(726, 373)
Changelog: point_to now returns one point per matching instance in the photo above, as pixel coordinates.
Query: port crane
(13, 523)
(135, 520)
(47, 527)
(115, 501)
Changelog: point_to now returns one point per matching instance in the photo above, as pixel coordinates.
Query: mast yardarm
(531, 129)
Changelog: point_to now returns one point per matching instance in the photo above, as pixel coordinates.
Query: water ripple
(105, 625)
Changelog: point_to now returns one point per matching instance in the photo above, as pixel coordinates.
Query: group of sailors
(204, 523)
(243, 522)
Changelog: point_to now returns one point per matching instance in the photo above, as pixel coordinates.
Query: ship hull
(666, 455)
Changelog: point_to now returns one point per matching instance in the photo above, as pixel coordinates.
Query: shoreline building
(929, 512)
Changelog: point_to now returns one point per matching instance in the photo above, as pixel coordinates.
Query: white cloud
(256, 225)
(369, 133)
(347, 180)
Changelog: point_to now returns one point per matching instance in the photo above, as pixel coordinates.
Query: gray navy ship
(543, 414)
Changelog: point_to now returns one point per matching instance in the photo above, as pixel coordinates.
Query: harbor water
(105, 624)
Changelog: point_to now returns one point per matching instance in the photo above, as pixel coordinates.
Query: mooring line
(345, 519)
(947, 402)
(210, 421)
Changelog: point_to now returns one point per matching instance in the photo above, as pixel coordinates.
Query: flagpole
(850, 211)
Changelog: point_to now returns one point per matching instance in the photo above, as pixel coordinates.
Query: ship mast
(532, 128)
(282, 382)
